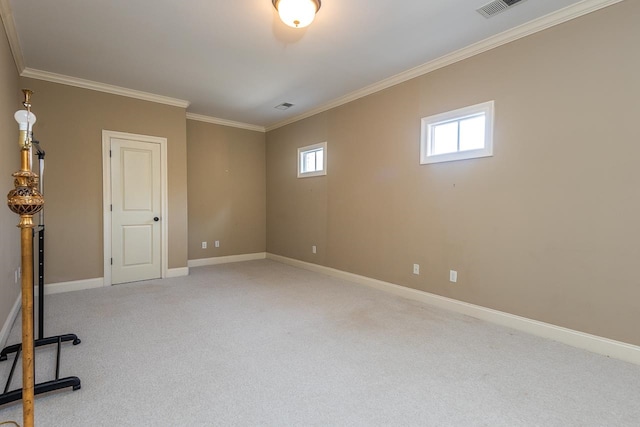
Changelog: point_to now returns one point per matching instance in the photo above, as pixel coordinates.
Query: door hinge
(111, 261)
(109, 153)
(111, 208)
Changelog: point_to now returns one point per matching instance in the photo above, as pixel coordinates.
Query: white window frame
(428, 125)
(315, 147)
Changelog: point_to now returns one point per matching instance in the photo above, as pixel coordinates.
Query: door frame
(106, 197)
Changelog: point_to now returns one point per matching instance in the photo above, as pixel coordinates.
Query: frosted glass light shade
(297, 13)
(25, 119)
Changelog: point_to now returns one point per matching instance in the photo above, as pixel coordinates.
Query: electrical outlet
(204, 245)
(16, 276)
(453, 276)
(217, 243)
(20, 272)
(314, 249)
(416, 268)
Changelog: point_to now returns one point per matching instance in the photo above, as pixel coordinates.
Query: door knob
(156, 219)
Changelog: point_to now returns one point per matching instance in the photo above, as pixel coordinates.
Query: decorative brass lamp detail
(26, 201)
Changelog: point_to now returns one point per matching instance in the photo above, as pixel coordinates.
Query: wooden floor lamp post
(26, 201)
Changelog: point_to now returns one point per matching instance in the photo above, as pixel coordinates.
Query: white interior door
(136, 211)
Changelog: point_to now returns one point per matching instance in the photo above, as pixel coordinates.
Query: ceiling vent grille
(284, 106)
(497, 6)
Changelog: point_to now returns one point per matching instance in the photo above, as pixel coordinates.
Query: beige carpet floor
(260, 343)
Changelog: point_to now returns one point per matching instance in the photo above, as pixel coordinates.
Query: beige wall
(69, 127)
(9, 163)
(547, 228)
(226, 180)
(297, 208)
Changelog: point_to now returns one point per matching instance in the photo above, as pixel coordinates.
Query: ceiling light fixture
(297, 13)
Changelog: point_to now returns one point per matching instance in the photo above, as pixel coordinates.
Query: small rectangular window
(465, 133)
(312, 160)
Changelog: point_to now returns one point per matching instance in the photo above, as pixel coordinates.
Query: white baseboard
(75, 285)
(593, 343)
(6, 328)
(177, 272)
(225, 259)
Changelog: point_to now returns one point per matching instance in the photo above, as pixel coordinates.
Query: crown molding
(563, 15)
(12, 34)
(102, 87)
(223, 122)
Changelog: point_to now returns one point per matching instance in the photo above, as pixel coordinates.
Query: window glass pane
(319, 160)
(445, 138)
(472, 133)
(309, 161)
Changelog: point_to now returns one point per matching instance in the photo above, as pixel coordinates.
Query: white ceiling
(235, 60)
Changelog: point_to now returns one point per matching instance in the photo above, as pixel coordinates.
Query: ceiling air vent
(497, 6)
(284, 106)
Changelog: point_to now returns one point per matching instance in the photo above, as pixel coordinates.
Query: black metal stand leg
(13, 369)
(39, 343)
(41, 283)
(45, 387)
